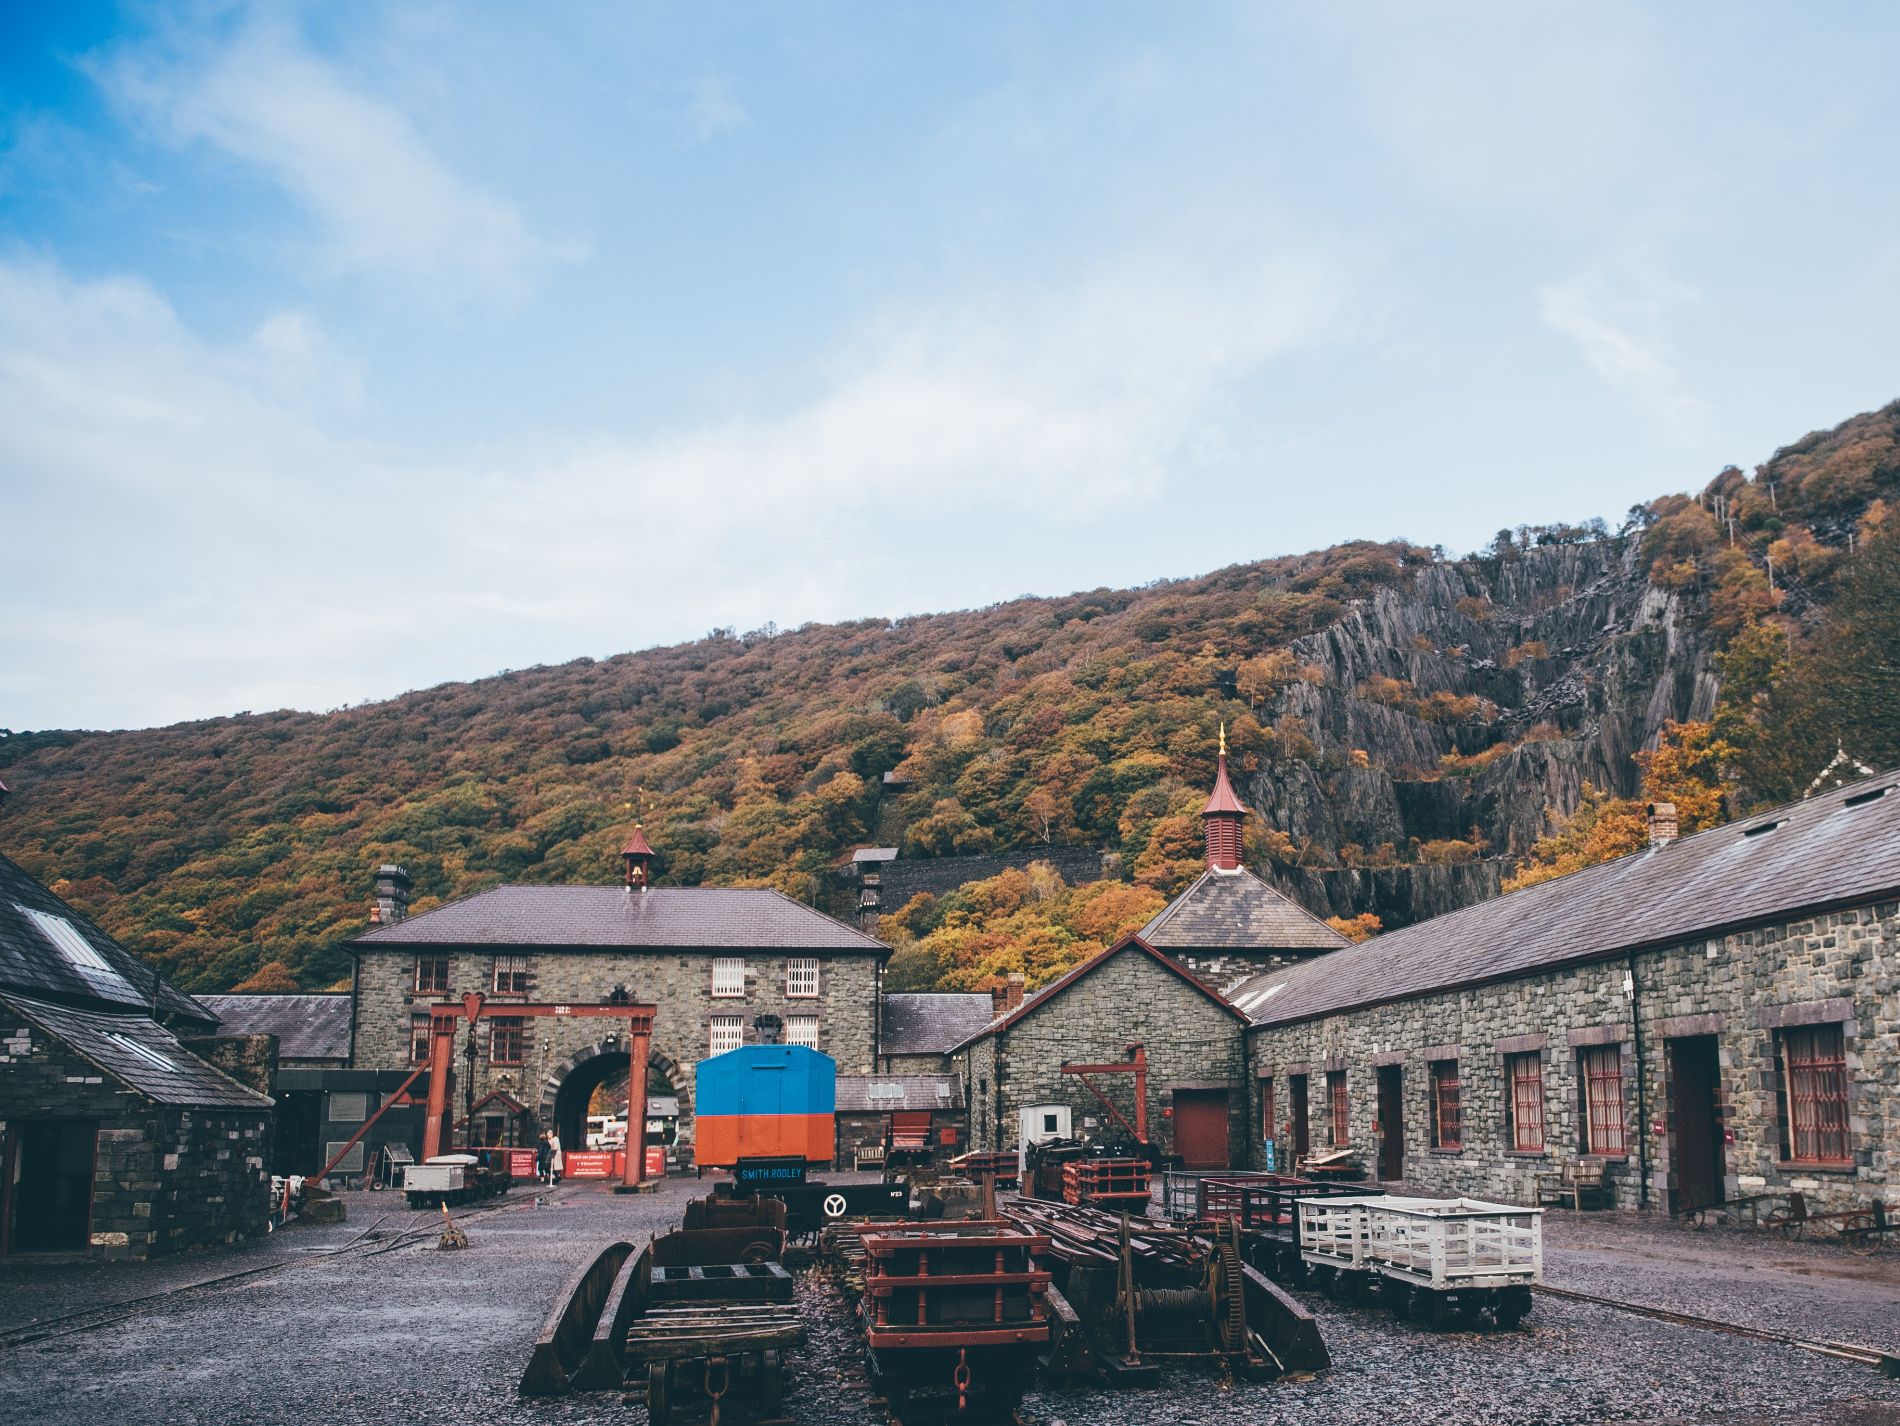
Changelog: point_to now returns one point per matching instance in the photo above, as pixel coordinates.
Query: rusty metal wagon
(1861, 1230)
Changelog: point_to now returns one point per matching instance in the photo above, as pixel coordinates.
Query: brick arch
(658, 1063)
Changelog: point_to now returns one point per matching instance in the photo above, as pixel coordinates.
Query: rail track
(364, 1245)
(1885, 1362)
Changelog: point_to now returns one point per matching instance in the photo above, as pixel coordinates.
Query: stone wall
(251, 1060)
(165, 1178)
(1841, 968)
(1192, 1042)
(679, 983)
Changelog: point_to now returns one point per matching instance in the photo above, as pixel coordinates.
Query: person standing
(556, 1162)
(543, 1158)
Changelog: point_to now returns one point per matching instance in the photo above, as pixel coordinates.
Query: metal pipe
(1642, 1087)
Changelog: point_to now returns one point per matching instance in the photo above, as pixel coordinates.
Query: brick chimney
(1008, 996)
(1222, 816)
(1662, 823)
(392, 895)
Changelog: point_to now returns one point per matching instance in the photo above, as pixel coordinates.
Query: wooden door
(1200, 1128)
(1302, 1128)
(1391, 1123)
(1695, 1136)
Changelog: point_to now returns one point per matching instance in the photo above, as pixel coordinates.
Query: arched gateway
(570, 1086)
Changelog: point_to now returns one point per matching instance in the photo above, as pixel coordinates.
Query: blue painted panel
(766, 1079)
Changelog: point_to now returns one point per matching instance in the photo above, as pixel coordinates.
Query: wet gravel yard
(416, 1336)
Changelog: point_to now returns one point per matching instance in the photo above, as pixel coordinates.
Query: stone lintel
(1599, 1035)
(1812, 1012)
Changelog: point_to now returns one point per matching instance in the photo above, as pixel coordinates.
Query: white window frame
(509, 966)
(726, 1032)
(728, 977)
(802, 1030)
(801, 972)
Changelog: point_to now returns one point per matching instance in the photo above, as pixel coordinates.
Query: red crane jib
(1137, 1065)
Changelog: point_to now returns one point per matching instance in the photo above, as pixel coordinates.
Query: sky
(351, 348)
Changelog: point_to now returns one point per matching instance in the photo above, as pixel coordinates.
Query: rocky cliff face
(1580, 661)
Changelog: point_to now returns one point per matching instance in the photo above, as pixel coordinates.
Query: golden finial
(1223, 737)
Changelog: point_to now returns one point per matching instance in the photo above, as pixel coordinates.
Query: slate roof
(1840, 848)
(1237, 911)
(111, 977)
(307, 1027)
(931, 1024)
(141, 1053)
(897, 1091)
(874, 854)
(1131, 942)
(695, 917)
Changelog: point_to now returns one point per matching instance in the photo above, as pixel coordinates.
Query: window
(1448, 1119)
(1267, 1130)
(1524, 1103)
(418, 1039)
(1812, 1069)
(140, 1051)
(348, 1106)
(511, 975)
(802, 1030)
(801, 980)
(1336, 1090)
(507, 1039)
(432, 975)
(78, 952)
(728, 1033)
(1600, 1081)
(728, 976)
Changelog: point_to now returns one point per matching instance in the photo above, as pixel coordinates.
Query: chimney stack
(1008, 996)
(1662, 823)
(1222, 816)
(392, 895)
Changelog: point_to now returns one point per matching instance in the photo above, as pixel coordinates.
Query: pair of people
(548, 1161)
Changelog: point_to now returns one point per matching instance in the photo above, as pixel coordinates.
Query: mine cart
(1445, 1261)
(954, 1315)
(730, 1264)
(1004, 1168)
(725, 1359)
(1107, 1183)
(450, 1179)
(1265, 1208)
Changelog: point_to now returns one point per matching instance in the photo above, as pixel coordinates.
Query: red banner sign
(521, 1163)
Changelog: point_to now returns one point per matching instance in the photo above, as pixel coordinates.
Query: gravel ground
(415, 1337)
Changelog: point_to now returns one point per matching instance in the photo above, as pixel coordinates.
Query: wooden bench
(1580, 1185)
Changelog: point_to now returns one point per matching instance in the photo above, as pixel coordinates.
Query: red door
(1200, 1128)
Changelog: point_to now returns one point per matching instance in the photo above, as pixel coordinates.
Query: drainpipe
(1642, 1086)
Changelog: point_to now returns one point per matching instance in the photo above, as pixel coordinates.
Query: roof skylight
(140, 1050)
(75, 949)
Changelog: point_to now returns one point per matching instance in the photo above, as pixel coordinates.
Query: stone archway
(570, 1085)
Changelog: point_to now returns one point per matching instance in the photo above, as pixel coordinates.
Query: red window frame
(1448, 1120)
(1337, 1096)
(507, 1039)
(1266, 1106)
(1600, 1081)
(432, 975)
(1814, 1094)
(1524, 1076)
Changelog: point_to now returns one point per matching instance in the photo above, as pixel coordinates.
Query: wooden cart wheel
(1861, 1234)
(659, 1393)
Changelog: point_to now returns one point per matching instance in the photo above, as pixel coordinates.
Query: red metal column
(639, 1033)
(441, 1056)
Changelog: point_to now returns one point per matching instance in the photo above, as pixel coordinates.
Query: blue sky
(351, 348)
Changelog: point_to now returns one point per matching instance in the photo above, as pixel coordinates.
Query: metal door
(1695, 1138)
(1200, 1128)
(1391, 1123)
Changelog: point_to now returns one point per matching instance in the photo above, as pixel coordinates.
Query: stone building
(713, 959)
(916, 1032)
(1711, 1016)
(311, 1036)
(1012, 1069)
(1230, 924)
(117, 1140)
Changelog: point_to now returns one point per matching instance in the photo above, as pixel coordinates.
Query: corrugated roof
(883, 1093)
(307, 1027)
(931, 1024)
(1840, 848)
(697, 917)
(1049, 992)
(1237, 911)
(140, 1053)
(92, 967)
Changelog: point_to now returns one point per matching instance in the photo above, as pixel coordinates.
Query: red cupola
(639, 859)
(1222, 817)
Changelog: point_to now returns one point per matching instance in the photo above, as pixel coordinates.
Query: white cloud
(385, 202)
(713, 108)
(1616, 322)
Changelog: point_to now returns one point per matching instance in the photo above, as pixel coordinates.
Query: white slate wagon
(1440, 1255)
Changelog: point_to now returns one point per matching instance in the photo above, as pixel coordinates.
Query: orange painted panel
(721, 1140)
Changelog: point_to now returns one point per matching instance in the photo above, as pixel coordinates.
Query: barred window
(1266, 1107)
(418, 1039)
(507, 1039)
(1448, 1116)
(728, 976)
(511, 975)
(1600, 1079)
(432, 975)
(728, 1033)
(1811, 1064)
(1336, 1088)
(802, 1030)
(801, 979)
(1524, 1103)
